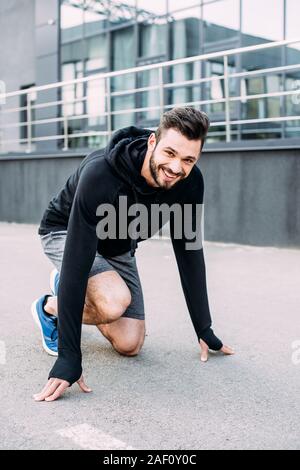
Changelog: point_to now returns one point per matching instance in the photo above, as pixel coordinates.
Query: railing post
(29, 123)
(66, 133)
(227, 102)
(161, 89)
(108, 106)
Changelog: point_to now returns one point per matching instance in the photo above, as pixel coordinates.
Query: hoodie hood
(125, 153)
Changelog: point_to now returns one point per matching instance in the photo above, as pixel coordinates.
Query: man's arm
(192, 271)
(79, 253)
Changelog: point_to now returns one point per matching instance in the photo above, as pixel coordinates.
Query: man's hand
(204, 350)
(54, 389)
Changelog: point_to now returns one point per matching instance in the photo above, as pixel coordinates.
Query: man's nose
(175, 166)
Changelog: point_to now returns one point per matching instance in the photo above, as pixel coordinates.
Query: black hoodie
(102, 177)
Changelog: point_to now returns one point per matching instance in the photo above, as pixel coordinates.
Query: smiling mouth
(168, 175)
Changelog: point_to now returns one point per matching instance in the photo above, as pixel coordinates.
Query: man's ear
(152, 141)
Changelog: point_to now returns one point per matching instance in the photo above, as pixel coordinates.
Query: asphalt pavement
(164, 398)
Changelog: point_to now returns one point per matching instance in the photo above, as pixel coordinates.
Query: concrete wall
(17, 33)
(251, 197)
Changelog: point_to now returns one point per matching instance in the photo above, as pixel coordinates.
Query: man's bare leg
(106, 300)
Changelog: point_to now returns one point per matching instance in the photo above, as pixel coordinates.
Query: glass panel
(263, 59)
(184, 93)
(221, 20)
(152, 40)
(121, 12)
(180, 73)
(267, 25)
(273, 104)
(149, 98)
(71, 95)
(72, 52)
(215, 89)
(261, 108)
(185, 34)
(71, 21)
(261, 131)
(292, 104)
(254, 109)
(123, 45)
(293, 101)
(96, 101)
(72, 92)
(293, 54)
(96, 52)
(95, 19)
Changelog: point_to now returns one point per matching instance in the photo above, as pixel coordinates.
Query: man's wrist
(212, 341)
(67, 367)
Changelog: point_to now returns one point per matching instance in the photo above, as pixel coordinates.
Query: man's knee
(108, 296)
(111, 309)
(129, 346)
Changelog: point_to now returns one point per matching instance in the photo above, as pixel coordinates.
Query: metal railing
(35, 101)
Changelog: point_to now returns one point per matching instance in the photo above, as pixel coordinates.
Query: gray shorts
(53, 244)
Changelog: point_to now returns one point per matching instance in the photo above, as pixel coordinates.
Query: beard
(155, 173)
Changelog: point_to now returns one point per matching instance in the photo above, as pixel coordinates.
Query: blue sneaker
(47, 325)
(54, 281)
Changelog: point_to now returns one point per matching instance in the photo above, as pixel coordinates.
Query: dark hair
(193, 124)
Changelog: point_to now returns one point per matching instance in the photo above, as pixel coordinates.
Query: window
(96, 53)
(221, 20)
(152, 40)
(123, 58)
(185, 33)
(71, 21)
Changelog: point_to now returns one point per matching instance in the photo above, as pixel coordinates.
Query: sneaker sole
(37, 321)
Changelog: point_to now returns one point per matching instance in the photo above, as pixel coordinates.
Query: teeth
(168, 175)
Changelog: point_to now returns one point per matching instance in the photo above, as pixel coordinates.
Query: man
(98, 281)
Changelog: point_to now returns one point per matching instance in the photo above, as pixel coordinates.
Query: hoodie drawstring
(133, 243)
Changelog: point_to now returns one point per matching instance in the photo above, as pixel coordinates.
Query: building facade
(63, 40)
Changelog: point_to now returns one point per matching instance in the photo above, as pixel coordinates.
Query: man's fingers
(204, 356)
(58, 392)
(227, 350)
(83, 385)
(48, 391)
(50, 381)
(204, 351)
